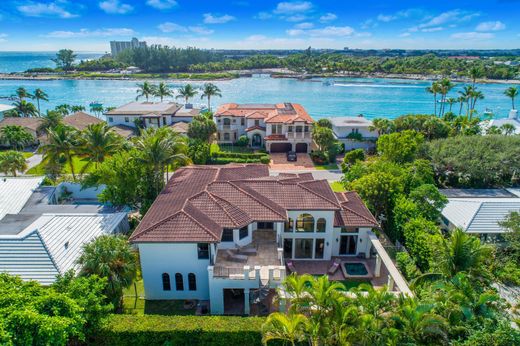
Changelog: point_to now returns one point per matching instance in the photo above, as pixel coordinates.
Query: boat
(95, 104)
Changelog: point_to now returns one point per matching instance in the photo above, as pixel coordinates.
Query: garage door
(280, 147)
(301, 147)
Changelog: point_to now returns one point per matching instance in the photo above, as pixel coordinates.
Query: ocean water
(372, 97)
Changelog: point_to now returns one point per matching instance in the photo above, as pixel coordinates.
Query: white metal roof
(14, 193)
(52, 244)
(480, 215)
(4, 108)
(350, 122)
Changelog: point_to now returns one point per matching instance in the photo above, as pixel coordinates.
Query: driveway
(279, 162)
(335, 175)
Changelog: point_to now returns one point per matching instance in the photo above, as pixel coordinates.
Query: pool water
(355, 269)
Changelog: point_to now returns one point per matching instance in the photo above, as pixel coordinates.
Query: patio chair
(247, 250)
(236, 257)
(290, 266)
(334, 267)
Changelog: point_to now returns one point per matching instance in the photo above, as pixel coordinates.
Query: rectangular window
(243, 232)
(110, 119)
(265, 225)
(227, 235)
(257, 122)
(234, 120)
(287, 248)
(319, 247)
(203, 250)
(290, 129)
(127, 119)
(289, 225)
(299, 129)
(303, 248)
(242, 121)
(276, 128)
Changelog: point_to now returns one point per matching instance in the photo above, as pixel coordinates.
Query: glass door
(348, 245)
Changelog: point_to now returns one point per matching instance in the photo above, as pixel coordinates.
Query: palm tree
(209, 90)
(96, 109)
(39, 94)
(461, 99)
(25, 109)
(64, 109)
(110, 257)
(419, 323)
(494, 130)
(462, 252)
(50, 121)
(98, 141)
(162, 91)
(289, 328)
(445, 85)
(434, 89)
(508, 129)
(62, 142)
(186, 92)
(145, 89)
(77, 108)
(22, 94)
(15, 136)
(451, 101)
(383, 126)
(466, 94)
(512, 92)
(475, 72)
(12, 162)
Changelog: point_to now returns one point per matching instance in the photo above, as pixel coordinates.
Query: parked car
(291, 156)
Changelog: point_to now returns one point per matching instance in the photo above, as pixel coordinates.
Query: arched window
(305, 223)
(321, 225)
(227, 121)
(179, 283)
(192, 282)
(166, 282)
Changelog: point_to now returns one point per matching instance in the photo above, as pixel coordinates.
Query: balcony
(298, 135)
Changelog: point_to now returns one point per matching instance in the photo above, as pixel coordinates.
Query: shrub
(354, 155)
(180, 330)
(229, 154)
(355, 136)
(407, 266)
(243, 141)
(319, 157)
(226, 160)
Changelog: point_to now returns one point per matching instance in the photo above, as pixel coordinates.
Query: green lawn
(337, 186)
(235, 149)
(327, 167)
(137, 305)
(78, 163)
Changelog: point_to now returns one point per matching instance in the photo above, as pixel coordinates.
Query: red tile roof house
(279, 127)
(224, 234)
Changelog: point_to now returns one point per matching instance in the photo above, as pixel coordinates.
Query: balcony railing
(298, 135)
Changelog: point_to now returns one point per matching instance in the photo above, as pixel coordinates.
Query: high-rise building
(117, 47)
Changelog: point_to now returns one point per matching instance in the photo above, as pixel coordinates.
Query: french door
(348, 245)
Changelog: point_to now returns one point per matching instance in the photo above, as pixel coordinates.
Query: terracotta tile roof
(255, 127)
(353, 212)
(80, 120)
(198, 202)
(29, 123)
(275, 138)
(272, 113)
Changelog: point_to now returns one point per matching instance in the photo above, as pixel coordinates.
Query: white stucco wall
(173, 258)
(344, 131)
(120, 120)
(217, 286)
(363, 241)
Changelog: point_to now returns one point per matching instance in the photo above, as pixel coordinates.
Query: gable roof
(81, 120)
(200, 201)
(30, 123)
(15, 192)
(353, 212)
(271, 113)
(146, 108)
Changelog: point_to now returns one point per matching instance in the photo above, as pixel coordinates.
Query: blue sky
(38, 25)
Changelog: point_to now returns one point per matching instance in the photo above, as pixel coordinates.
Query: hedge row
(226, 160)
(180, 330)
(239, 155)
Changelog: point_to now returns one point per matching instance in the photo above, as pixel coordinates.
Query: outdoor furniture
(236, 257)
(247, 250)
(290, 266)
(334, 267)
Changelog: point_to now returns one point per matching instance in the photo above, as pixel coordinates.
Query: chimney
(513, 114)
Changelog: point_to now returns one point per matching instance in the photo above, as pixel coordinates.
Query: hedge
(226, 160)
(239, 155)
(180, 330)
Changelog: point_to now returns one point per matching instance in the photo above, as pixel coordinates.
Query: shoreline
(234, 74)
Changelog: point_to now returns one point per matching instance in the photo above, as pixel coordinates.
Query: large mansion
(279, 127)
(230, 234)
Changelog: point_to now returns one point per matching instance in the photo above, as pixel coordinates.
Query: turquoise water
(348, 96)
(22, 61)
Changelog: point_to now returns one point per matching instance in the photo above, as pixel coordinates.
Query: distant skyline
(89, 25)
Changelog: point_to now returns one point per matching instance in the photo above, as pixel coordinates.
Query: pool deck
(314, 267)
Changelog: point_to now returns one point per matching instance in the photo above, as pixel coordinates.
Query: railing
(273, 275)
(225, 272)
(295, 135)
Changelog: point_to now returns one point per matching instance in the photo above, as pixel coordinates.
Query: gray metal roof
(52, 244)
(477, 193)
(350, 121)
(14, 193)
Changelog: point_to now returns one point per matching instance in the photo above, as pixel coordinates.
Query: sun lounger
(290, 266)
(334, 267)
(247, 250)
(236, 257)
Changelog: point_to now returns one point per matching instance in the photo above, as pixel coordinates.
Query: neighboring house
(181, 128)
(348, 130)
(5, 108)
(151, 114)
(225, 234)
(124, 131)
(81, 120)
(40, 238)
(512, 119)
(479, 211)
(277, 127)
(32, 125)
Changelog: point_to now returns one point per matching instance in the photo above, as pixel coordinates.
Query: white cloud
(52, 9)
(452, 16)
(386, 18)
(293, 7)
(295, 32)
(296, 18)
(3, 37)
(171, 27)
(200, 30)
(107, 32)
(264, 15)
(398, 15)
(473, 35)
(369, 24)
(256, 38)
(211, 19)
(328, 17)
(434, 29)
(116, 7)
(405, 34)
(162, 4)
(337, 31)
(305, 25)
(491, 26)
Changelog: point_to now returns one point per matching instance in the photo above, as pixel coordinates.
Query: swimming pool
(355, 270)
